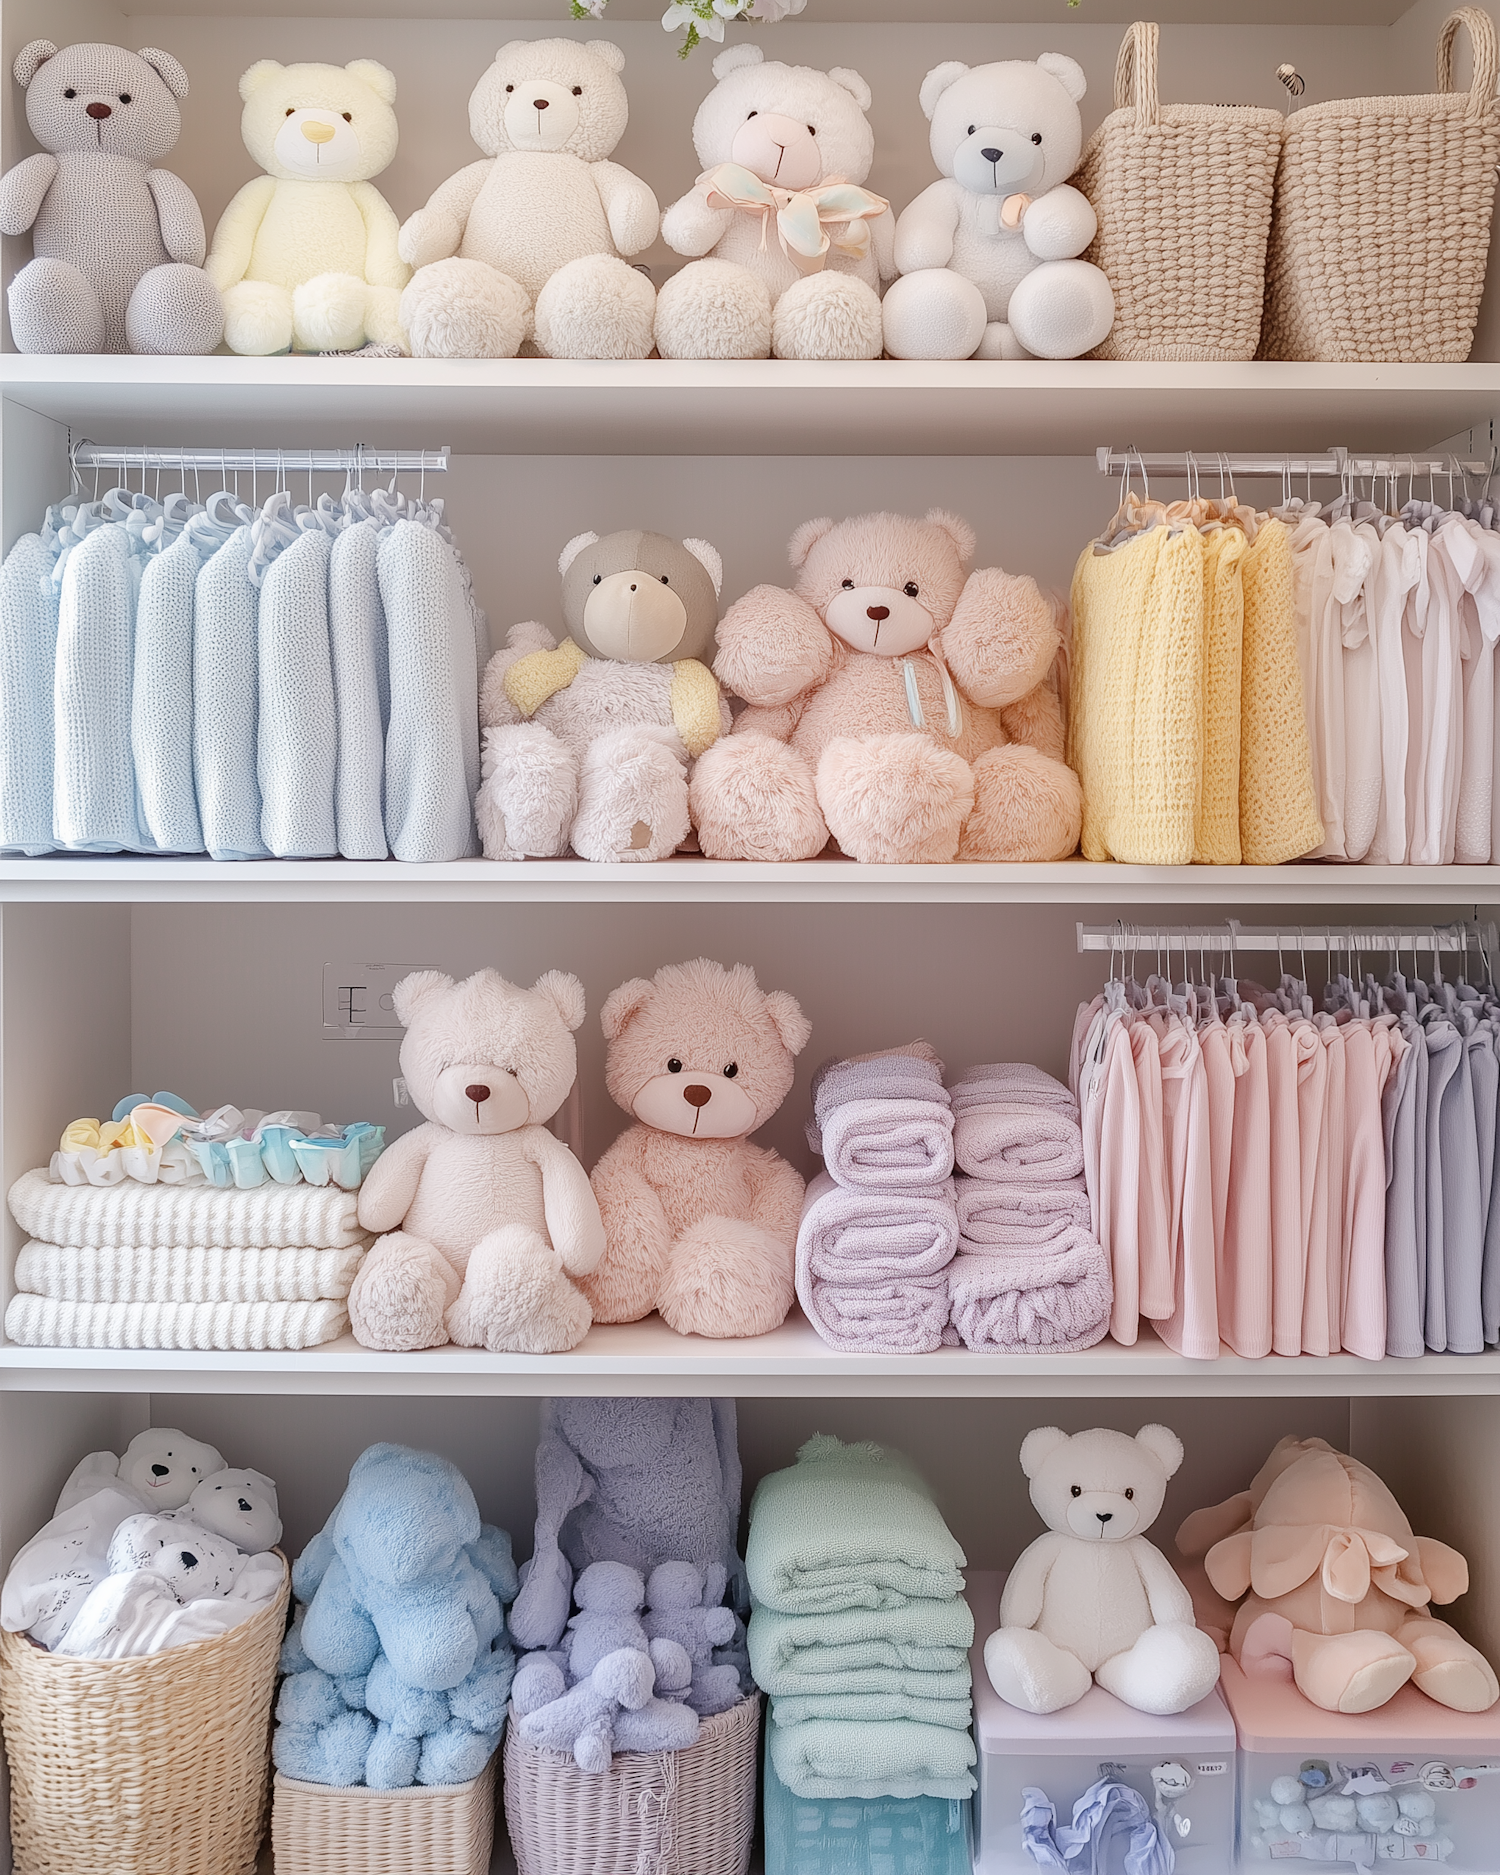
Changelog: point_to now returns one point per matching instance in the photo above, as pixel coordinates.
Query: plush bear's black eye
(290, 111)
(348, 117)
(70, 92)
(674, 1066)
(578, 91)
(752, 114)
(1078, 1490)
(1130, 1493)
(189, 1560)
(910, 589)
(731, 1071)
(848, 585)
(664, 580)
(510, 87)
(124, 97)
(812, 130)
(598, 579)
(1036, 136)
(972, 129)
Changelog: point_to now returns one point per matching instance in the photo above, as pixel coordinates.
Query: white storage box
(1424, 1781)
(1065, 1752)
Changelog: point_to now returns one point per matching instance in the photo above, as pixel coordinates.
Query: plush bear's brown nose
(878, 612)
(696, 1096)
(478, 1093)
(98, 110)
(539, 103)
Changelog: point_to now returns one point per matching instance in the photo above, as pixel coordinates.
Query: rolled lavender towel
(1033, 1302)
(870, 1266)
(1017, 1083)
(888, 1145)
(912, 1073)
(1018, 1216)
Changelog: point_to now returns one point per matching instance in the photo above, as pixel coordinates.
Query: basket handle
(1486, 48)
(1135, 73)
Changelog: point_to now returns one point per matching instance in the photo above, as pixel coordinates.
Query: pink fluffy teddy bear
(896, 702)
(698, 1222)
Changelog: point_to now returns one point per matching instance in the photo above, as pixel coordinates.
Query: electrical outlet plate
(358, 1001)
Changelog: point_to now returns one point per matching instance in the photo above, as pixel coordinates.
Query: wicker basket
(1183, 195)
(662, 1813)
(1382, 223)
(156, 1766)
(427, 1829)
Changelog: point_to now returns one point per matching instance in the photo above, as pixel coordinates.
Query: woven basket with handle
(426, 1829)
(686, 1812)
(1382, 224)
(155, 1766)
(1183, 195)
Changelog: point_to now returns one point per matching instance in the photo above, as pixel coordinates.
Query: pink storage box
(1424, 1781)
(1065, 1752)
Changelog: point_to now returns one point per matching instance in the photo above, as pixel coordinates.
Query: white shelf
(534, 406)
(827, 12)
(649, 1358)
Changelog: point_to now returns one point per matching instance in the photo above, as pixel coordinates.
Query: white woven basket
(1183, 195)
(1382, 226)
(426, 1829)
(651, 1813)
(156, 1766)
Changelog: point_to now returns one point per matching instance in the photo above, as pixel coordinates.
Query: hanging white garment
(28, 658)
(1440, 733)
(161, 713)
(1355, 552)
(226, 686)
(297, 756)
(1475, 553)
(1320, 656)
(1393, 580)
(361, 688)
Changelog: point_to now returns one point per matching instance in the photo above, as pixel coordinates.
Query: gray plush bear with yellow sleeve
(589, 742)
(117, 244)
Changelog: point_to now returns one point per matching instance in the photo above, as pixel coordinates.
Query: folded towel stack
(156, 1266)
(879, 1226)
(859, 1629)
(1029, 1276)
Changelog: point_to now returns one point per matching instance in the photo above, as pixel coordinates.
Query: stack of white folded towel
(156, 1266)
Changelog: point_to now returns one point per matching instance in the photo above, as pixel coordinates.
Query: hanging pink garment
(1154, 1231)
(1323, 1281)
(1371, 1050)
(1288, 1243)
(1192, 1328)
(1244, 1270)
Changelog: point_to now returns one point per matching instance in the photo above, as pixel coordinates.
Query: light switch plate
(358, 1001)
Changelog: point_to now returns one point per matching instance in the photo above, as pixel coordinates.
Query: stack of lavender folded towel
(1029, 1276)
(880, 1223)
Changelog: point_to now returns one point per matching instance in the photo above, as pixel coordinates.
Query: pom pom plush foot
(596, 307)
(1027, 1671)
(175, 311)
(713, 309)
(516, 1298)
(1062, 310)
(464, 309)
(828, 316)
(54, 308)
(933, 314)
(1026, 807)
(1171, 1667)
(257, 319)
(526, 805)
(754, 798)
(328, 313)
(894, 800)
(726, 1277)
(632, 797)
(399, 1298)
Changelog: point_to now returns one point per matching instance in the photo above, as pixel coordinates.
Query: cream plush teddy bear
(1092, 1599)
(797, 249)
(486, 1216)
(305, 255)
(529, 242)
(987, 254)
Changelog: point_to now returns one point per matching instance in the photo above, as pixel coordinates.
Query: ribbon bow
(802, 215)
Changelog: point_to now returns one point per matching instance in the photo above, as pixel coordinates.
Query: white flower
(684, 13)
(773, 10)
(594, 7)
(730, 9)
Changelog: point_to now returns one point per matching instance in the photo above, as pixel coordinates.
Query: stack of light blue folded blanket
(859, 1630)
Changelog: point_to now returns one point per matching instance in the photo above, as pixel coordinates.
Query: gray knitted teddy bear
(118, 245)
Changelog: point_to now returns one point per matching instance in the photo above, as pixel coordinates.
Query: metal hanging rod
(1336, 463)
(261, 461)
(1293, 937)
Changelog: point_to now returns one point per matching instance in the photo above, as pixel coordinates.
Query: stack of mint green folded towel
(860, 1633)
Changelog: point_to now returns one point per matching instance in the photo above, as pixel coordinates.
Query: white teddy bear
(305, 255)
(161, 1468)
(987, 254)
(1092, 1599)
(797, 250)
(532, 242)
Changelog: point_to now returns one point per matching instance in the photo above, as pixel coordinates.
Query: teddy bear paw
(1354, 1672)
(596, 307)
(713, 309)
(257, 319)
(754, 798)
(727, 1278)
(632, 797)
(174, 312)
(1027, 806)
(516, 1298)
(1032, 1673)
(828, 317)
(1062, 309)
(894, 800)
(1171, 1667)
(464, 309)
(328, 313)
(526, 805)
(398, 1298)
(933, 313)
(54, 308)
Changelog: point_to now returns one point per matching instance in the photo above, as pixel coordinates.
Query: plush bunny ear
(622, 1004)
(1163, 1444)
(260, 73)
(713, 565)
(412, 993)
(30, 60)
(957, 530)
(1038, 1446)
(1068, 73)
(806, 538)
(937, 82)
(852, 83)
(791, 1025)
(380, 80)
(608, 53)
(565, 993)
(736, 58)
(574, 547)
(167, 70)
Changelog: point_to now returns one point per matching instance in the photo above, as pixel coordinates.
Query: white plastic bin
(1064, 1753)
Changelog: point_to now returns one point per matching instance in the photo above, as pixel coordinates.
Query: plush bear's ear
(806, 538)
(1038, 1446)
(622, 1004)
(1068, 73)
(565, 993)
(852, 83)
(736, 58)
(412, 993)
(167, 70)
(608, 53)
(380, 80)
(713, 565)
(791, 1025)
(957, 530)
(260, 73)
(30, 60)
(937, 82)
(574, 547)
(1163, 1444)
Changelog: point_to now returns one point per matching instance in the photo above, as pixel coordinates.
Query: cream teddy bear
(532, 241)
(797, 249)
(988, 253)
(1092, 1599)
(486, 1217)
(305, 255)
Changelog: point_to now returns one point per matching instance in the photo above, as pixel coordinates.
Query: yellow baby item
(1278, 809)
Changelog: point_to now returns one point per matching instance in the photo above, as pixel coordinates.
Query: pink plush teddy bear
(698, 1222)
(896, 702)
